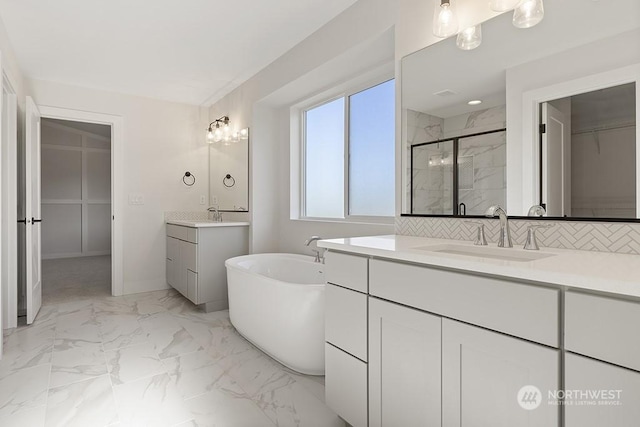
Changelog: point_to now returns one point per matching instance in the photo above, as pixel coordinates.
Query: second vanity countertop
(596, 271)
(207, 224)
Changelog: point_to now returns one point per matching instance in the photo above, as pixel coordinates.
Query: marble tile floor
(148, 360)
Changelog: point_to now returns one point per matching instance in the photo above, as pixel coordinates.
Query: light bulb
(244, 133)
(217, 135)
(503, 5)
(210, 135)
(445, 19)
(470, 38)
(528, 13)
(235, 137)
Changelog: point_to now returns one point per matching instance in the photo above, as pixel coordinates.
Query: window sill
(376, 221)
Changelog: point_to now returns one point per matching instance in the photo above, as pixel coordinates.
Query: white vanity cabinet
(195, 260)
(444, 348)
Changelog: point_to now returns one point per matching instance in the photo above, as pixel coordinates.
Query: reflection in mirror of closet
(589, 154)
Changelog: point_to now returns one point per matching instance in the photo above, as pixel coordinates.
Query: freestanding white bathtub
(276, 301)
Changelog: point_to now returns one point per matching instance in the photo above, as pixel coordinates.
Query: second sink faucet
(214, 214)
(504, 240)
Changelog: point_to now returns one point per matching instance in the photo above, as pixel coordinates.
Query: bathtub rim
(233, 264)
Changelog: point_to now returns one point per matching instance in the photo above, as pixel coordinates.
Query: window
(360, 127)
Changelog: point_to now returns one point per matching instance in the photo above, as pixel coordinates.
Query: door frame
(117, 171)
(531, 100)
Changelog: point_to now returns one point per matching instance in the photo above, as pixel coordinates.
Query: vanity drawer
(526, 311)
(346, 386)
(187, 234)
(349, 271)
(603, 328)
(346, 320)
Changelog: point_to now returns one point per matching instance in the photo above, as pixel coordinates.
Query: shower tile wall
(420, 128)
(485, 156)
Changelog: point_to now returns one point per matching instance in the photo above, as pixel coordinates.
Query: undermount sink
(505, 254)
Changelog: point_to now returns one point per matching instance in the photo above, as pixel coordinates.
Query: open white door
(33, 244)
(554, 169)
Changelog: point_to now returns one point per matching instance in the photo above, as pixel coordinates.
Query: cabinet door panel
(588, 375)
(346, 320)
(190, 255)
(404, 366)
(192, 286)
(174, 265)
(345, 270)
(483, 373)
(346, 386)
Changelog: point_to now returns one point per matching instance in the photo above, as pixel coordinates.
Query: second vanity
(196, 252)
(430, 332)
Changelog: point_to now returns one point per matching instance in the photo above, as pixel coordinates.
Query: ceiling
(191, 51)
(481, 73)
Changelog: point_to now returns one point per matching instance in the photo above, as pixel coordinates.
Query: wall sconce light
(220, 130)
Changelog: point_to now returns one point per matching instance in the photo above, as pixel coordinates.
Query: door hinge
(543, 128)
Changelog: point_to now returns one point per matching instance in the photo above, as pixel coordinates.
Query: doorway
(31, 285)
(76, 210)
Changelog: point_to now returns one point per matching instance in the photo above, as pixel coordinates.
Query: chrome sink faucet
(214, 214)
(504, 240)
(319, 258)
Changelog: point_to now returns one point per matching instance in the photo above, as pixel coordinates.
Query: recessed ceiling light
(475, 102)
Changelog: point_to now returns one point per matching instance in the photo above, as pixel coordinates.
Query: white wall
(162, 140)
(328, 57)
(76, 191)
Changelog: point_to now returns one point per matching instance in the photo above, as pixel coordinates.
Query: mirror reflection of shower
(589, 146)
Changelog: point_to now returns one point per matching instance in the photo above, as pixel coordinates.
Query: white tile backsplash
(616, 237)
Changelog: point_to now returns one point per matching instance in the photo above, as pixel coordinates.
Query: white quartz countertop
(597, 271)
(207, 224)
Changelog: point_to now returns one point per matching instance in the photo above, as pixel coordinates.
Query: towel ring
(189, 179)
(228, 181)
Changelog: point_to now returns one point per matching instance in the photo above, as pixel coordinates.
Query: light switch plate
(136, 199)
(203, 199)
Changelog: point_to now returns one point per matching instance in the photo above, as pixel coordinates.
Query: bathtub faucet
(308, 242)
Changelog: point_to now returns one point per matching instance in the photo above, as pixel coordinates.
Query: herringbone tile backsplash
(587, 236)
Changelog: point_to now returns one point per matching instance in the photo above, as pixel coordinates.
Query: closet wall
(76, 189)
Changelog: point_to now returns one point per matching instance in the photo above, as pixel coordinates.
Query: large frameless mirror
(465, 144)
(229, 175)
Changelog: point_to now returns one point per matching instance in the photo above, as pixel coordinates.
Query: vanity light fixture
(220, 130)
(528, 13)
(445, 19)
(469, 38)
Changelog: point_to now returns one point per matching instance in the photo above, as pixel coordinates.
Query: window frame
(351, 89)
